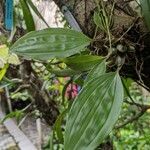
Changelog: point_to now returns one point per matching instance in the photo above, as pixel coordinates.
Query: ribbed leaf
(145, 4)
(27, 16)
(97, 70)
(82, 62)
(94, 112)
(51, 43)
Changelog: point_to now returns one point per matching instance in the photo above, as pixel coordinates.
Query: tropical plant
(97, 107)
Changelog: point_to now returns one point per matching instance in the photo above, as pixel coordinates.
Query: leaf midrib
(95, 112)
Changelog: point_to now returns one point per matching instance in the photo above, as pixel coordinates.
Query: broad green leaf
(145, 5)
(36, 11)
(27, 16)
(3, 71)
(97, 70)
(82, 62)
(51, 43)
(94, 112)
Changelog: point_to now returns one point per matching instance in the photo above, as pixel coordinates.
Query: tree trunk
(136, 38)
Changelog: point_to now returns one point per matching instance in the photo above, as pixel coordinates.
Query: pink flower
(72, 91)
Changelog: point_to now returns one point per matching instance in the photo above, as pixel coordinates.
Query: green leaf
(99, 21)
(127, 83)
(17, 114)
(3, 71)
(51, 141)
(145, 4)
(7, 82)
(58, 123)
(94, 112)
(64, 72)
(27, 16)
(82, 62)
(97, 70)
(36, 11)
(51, 43)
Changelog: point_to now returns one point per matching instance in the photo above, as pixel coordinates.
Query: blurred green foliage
(135, 135)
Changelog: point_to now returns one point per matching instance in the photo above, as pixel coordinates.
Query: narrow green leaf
(99, 20)
(97, 70)
(127, 82)
(58, 125)
(3, 71)
(82, 62)
(51, 140)
(94, 112)
(27, 16)
(51, 43)
(126, 91)
(36, 11)
(7, 82)
(145, 4)
(17, 114)
(64, 72)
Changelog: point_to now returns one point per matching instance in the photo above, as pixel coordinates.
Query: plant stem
(95, 32)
